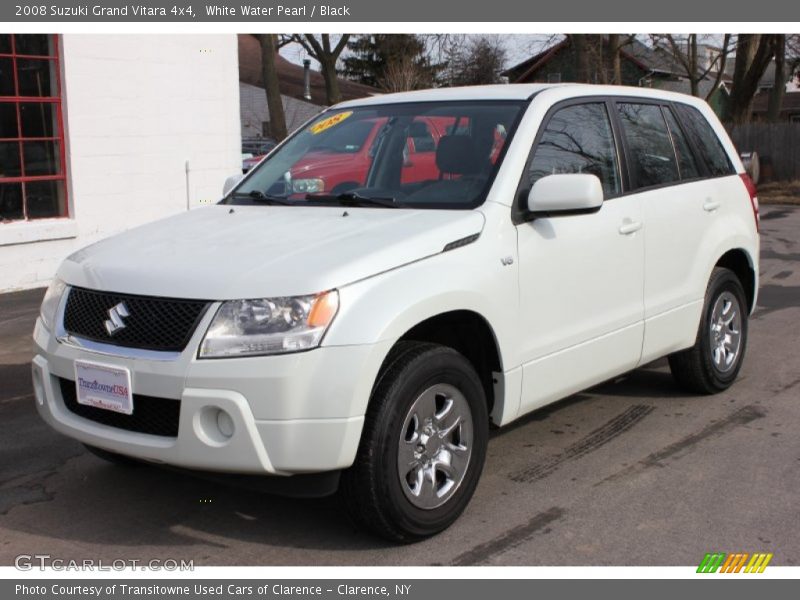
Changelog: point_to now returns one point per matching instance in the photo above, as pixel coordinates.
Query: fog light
(225, 423)
(213, 426)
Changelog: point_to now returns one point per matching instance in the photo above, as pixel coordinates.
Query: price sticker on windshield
(329, 122)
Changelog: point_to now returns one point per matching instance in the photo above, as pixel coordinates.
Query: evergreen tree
(376, 60)
(476, 61)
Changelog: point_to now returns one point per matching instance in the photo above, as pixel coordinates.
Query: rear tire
(423, 445)
(712, 364)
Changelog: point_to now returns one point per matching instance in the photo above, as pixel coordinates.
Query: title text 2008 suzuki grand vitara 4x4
(364, 335)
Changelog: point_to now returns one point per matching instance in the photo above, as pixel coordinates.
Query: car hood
(228, 252)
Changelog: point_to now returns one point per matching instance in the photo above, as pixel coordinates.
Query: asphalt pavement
(632, 472)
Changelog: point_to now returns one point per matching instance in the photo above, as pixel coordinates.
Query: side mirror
(231, 182)
(566, 193)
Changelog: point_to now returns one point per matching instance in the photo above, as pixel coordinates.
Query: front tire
(423, 445)
(712, 364)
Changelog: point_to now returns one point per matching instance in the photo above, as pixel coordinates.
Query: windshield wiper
(259, 196)
(356, 199)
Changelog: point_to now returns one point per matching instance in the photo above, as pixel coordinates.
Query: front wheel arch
(470, 334)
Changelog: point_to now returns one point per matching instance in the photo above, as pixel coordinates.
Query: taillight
(753, 192)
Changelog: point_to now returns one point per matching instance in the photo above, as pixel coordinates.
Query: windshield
(420, 155)
(348, 137)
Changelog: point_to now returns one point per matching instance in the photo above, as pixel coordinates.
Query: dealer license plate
(104, 386)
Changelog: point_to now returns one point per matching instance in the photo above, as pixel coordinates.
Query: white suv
(399, 275)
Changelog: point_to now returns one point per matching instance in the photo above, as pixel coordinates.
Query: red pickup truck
(342, 159)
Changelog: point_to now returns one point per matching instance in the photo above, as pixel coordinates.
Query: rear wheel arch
(740, 263)
(712, 364)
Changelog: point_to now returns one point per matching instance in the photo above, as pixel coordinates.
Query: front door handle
(711, 205)
(628, 227)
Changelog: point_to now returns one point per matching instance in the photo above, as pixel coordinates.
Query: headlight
(269, 325)
(51, 301)
(308, 186)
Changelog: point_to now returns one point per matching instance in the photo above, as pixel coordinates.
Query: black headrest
(459, 155)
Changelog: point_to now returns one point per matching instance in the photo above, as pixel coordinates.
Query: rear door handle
(711, 205)
(628, 227)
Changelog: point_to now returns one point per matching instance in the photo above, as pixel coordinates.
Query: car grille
(156, 416)
(164, 324)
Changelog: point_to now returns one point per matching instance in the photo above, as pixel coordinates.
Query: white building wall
(138, 109)
(254, 111)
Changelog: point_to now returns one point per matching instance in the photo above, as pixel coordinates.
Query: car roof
(518, 91)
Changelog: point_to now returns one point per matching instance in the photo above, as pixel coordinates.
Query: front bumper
(293, 413)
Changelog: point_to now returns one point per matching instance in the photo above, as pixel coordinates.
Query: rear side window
(578, 139)
(686, 162)
(706, 141)
(650, 146)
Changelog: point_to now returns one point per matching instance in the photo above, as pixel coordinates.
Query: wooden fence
(777, 144)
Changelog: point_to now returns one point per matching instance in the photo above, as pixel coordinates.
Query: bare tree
(753, 54)
(779, 83)
(793, 57)
(685, 52)
(539, 44)
(616, 44)
(327, 54)
(401, 75)
(615, 64)
(269, 73)
(722, 61)
(588, 55)
(440, 45)
(581, 48)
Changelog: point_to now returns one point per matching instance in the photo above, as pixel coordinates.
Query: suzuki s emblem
(115, 315)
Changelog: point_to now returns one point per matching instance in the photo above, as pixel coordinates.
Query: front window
(578, 139)
(32, 170)
(420, 155)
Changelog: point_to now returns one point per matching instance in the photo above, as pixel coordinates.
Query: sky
(518, 48)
